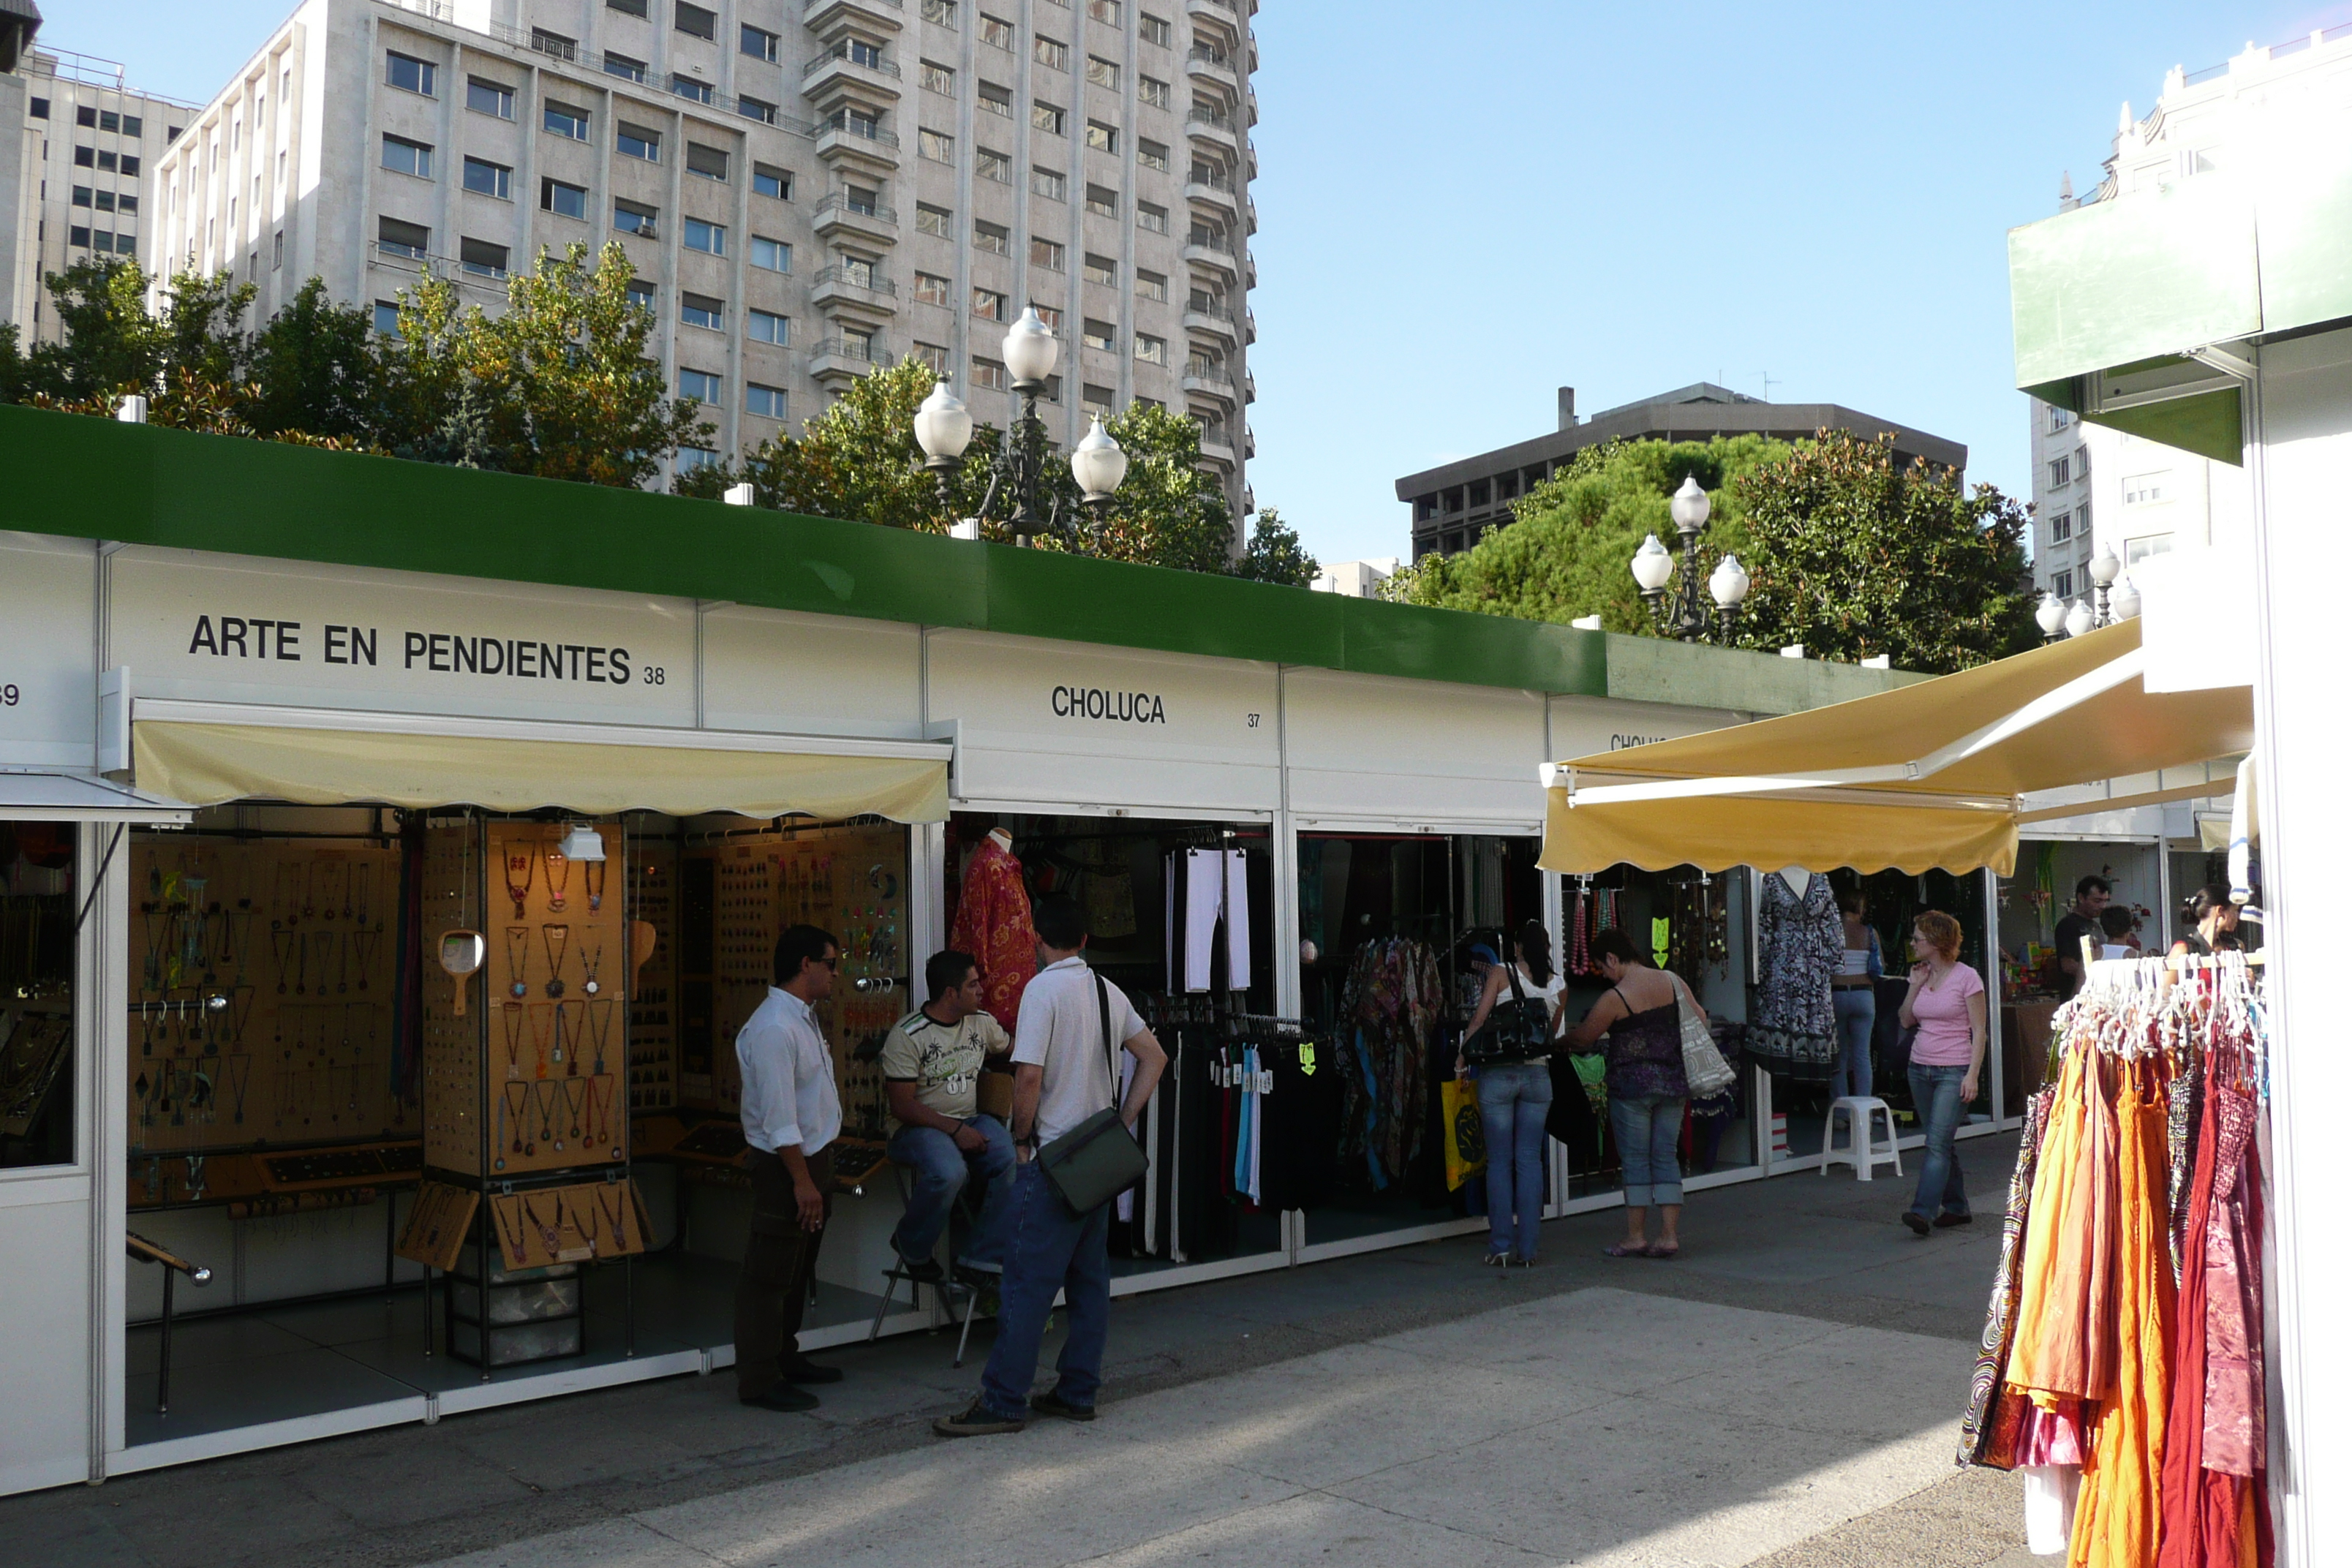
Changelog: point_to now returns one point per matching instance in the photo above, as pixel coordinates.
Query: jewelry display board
(653, 1036)
(263, 993)
(439, 1225)
(578, 1224)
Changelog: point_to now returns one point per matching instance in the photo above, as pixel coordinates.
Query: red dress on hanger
(993, 924)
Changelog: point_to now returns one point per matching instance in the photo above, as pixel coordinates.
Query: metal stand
(141, 1250)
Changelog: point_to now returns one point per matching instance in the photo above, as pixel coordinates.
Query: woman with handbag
(1511, 1034)
(1641, 1015)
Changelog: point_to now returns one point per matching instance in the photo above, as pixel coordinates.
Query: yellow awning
(209, 764)
(1928, 775)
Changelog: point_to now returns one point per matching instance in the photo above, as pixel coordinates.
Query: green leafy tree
(1275, 555)
(315, 368)
(112, 345)
(1855, 556)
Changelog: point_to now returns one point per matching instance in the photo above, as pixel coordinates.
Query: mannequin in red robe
(992, 923)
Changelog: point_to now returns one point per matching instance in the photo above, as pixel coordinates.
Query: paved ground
(1784, 1394)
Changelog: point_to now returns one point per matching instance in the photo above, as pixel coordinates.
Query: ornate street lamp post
(1682, 613)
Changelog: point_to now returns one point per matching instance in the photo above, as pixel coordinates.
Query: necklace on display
(236, 1072)
(617, 1213)
(511, 1229)
(541, 1019)
(364, 944)
(363, 876)
(519, 864)
(301, 963)
(572, 1102)
(600, 1029)
(517, 960)
(583, 1220)
(551, 1234)
(557, 937)
(328, 898)
(591, 961)
(592, 876)
(287, 894)
(568, 1011)
(517, 1097)
(513, 1014)
(542, 1096)
(559, 877)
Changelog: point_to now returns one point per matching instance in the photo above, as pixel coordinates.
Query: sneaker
(783, 1398)
(1916, 1221)
(803, 1370)
(979, 1421)
(1053, 1404)
(1946, 1221)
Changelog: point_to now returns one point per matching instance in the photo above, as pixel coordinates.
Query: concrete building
(806, 187)
(1455, 503)
(74, 160)
(1355, 578)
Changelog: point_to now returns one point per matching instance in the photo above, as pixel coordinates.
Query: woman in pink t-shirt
(1946, 1004)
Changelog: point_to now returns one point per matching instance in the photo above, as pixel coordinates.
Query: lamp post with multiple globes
(1654, 567)
(943, 429)
(2117, 600)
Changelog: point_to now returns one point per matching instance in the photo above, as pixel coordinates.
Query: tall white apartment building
(805, 187)
(2094, 484)
(78, 146)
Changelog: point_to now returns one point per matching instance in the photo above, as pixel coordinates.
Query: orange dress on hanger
(2065, 1343)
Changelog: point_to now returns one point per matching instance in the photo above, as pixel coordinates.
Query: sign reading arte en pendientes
(448, 653)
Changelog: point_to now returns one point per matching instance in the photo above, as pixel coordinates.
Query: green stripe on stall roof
(98, 479)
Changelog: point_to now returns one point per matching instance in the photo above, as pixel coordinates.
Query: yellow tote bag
(1466, 1133)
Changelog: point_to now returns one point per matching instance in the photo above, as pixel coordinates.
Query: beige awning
(315, 763)
(1925, 776)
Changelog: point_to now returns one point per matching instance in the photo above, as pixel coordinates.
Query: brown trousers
(779, 1270)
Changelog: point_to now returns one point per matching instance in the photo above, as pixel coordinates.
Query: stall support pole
(163, 1354)
(429, 1310)
(1995, 1077)
(391, 1209)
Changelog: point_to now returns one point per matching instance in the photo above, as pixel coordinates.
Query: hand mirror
(461, 954)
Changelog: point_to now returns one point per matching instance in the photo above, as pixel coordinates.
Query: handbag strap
(1110, 1050)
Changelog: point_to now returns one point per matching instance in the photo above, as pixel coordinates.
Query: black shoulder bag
(1520, 1032)
(1099, 1159)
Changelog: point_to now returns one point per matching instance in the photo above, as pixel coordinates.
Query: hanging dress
(1801, 942)
(993, 924)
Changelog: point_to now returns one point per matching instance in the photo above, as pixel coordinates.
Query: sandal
(1497, 1260)
(1662, 1254)
(1625, 1249)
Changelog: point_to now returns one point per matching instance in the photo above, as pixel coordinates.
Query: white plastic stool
(1862, 1151)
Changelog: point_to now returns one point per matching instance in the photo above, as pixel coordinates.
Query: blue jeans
(1858, 1017)
(940, 1170)
(1050, 1249)
(1935, 1092)
(1513, 1100)
(1648, 1127)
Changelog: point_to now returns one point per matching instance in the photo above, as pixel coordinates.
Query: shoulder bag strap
(1110, 1047)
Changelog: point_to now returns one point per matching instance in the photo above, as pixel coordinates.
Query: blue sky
(1464, 205)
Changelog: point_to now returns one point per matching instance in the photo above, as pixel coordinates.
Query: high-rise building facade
(805, 189)
(82, 142)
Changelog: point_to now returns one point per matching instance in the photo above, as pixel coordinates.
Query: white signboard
(1071, 724)
(229, 628)
(1392, 751)
(48, 652)
(781, 671)
(1587, 726)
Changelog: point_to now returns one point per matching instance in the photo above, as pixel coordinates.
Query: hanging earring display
(559, 877)
(556, 938)
(517, 960)
(592, 876)
(519, 864)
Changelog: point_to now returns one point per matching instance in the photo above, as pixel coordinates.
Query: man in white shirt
(1063, 1069)
(791, 1114)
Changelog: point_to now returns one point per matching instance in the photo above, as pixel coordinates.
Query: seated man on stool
(930, 1064)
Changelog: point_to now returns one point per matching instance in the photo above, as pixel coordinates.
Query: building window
(490, 179)
(2060, 418)
(1044, 116)
(2082, 519)
(692, 458)
(995, 30)
(932, 220)
(81, 195)
(2082, 463)
(687, 87)
(995, 99)
(995, 236)
(1047, 52)
(489, 98)
(931, 289)
(694, 20)
(1102, 269)
(562, 47)
(2062, 584)
(563, 200)
(77, 234)
(39, 109)
(87, 158)
(761, 44)
(1151, 91)
(482, 258)
(711, 238)
(770, 255)
(2140, 489)
(564, 120)
(641, 294)
(633, 217)
(1049, 183)
(624, 67)
(408, 73)
(766, 402)
(990, 166)
(935, 355)
(699, 384)
(1154, 218)
(1102, 138)
(758, 109)
(858, 269)
(130, 163)
(988, 373)
(936, 145)
(856, 344)
(277, 250)
(388, 318)
(1095, 400)
(636, 9)
(702, 310)
(2138, 549)
(988, 304)
(2062, 528)
(2061, 470)
(1150, 350)
(1048, 255)
(1101, 335)
(770, 181)
(1050, 315)
(1151, 286)
(710, 162)
(1151, 154)
(403, 156)
(1154, 29)
(1102, 73)
(767, 327)
(639, 142)
(937, 77)
(939, 13)
(1102, 201)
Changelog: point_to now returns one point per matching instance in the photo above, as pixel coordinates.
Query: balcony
(1249, 215)
(830, 74)
(1216, 323)
(1213, 64)
(1249, 386)
(841, 217)
(842, 139)
(1210, 381)
(1217, 447)
(1214, 129)
(1217, 192)
(823, 17)
(1212, 251)
(1249, 326)
(855, 289)
(838, 361)
(1249, 442)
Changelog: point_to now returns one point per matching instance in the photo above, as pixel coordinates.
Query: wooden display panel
(577, 1224)
(438, 1225)
(653, 998)
(297, 940)
(451, 1046)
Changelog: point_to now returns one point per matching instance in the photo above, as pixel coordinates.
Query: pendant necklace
(541, 1100)
(591, 961)
(513, 1014)
(301, 963)
(238, 1072)
(583, 1220)
(600, 1029)
(618, 1212)
(517, 960)
(551, 1234)
(364, 944)
(542, 1015)
(342, 945)
(567, 1028)
(364, 875)
(309, 875)
(240, 1013)
(319, 875)
(572, 1103)
(556, 938)
(511, 1229)
(592, 875)
(517, 1097)
(287, 895)
(519, 878)
(559, 877)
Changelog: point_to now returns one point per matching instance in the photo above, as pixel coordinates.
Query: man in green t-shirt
(930, 1065)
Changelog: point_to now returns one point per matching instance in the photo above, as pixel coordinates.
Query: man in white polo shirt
(1063, 1073)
